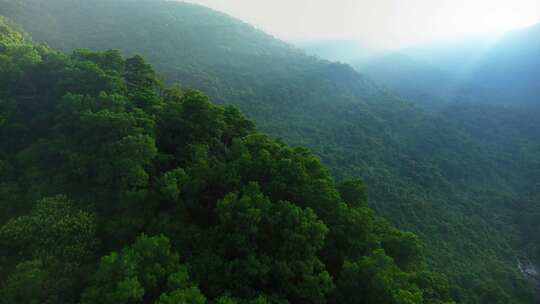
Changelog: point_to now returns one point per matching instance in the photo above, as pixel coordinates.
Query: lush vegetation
(116, 189)
(514, 132)
(426, 172)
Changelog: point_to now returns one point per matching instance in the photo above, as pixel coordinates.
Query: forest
(119, 184)
(122, 190)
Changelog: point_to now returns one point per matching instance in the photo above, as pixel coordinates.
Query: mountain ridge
(410, 157)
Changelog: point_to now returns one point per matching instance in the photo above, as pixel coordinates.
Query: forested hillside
(425, 172)
(348, 51)
(414, 80)
(515, 132)
(117, 189)
(487, 86)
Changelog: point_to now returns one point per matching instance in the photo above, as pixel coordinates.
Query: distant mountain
(414, 80)
(347, 51)
(457, 56)
(506, 67)
(513, 67)
(424, 172)
(426, 84)
(501, 69)
(428, 75)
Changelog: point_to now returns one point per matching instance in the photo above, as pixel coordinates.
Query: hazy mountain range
(492, 69)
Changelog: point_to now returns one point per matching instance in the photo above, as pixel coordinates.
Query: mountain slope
(411, 79)
(411, 160)
(348, 51)
(121, 190)
(488, 86)
(512, 67)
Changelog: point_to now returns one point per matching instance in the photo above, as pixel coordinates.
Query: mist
(383, 24)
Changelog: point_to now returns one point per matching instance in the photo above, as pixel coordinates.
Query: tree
(146, 271)
(55, 229)
(376, 279)
(353, 192)
(27, 285)
(404, 247)
(269, 248)
(139, 75)
(50, 247)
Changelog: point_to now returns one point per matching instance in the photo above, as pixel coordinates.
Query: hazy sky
(380, 23)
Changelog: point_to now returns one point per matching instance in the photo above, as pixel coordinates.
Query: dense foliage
(116, 189)
(426, 173)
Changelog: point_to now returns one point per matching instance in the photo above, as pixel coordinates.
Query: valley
(452, 158)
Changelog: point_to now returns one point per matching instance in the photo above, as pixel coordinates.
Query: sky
(383, 24)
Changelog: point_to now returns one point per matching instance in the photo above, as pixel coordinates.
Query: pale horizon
(382, 24)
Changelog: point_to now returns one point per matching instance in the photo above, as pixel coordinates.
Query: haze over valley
(230, 151)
